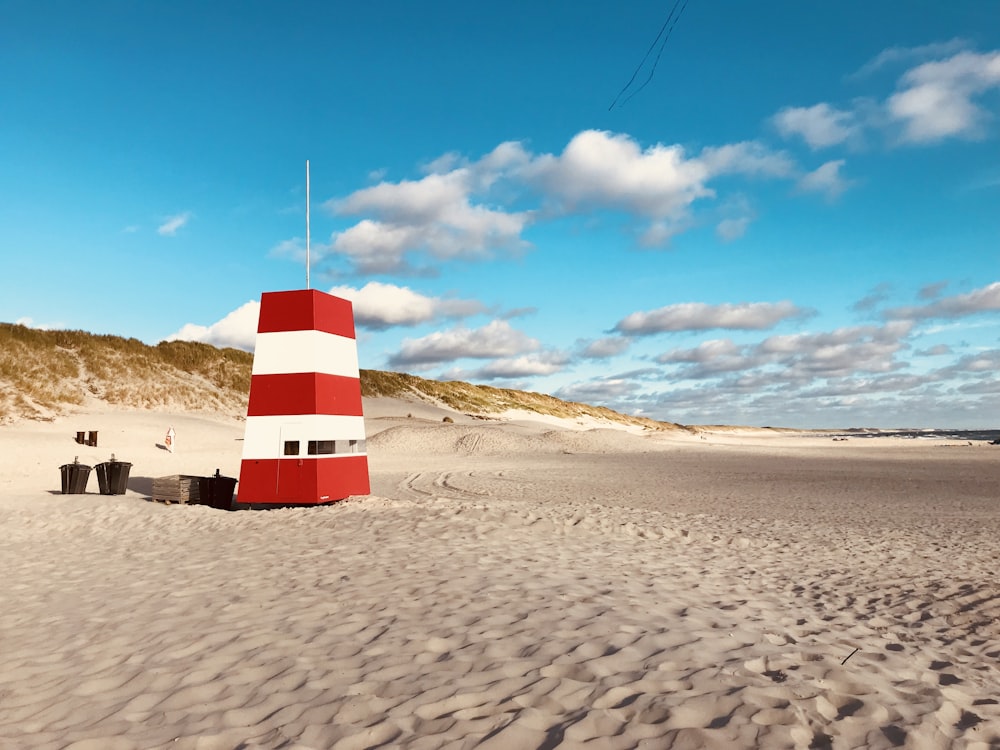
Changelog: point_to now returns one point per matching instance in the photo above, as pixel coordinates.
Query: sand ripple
(434, 621)
(484, 602)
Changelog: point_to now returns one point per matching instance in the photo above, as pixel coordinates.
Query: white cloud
(820, 125)
(957, 325)
(172, 224)
(986, 299)
(508, 155)
(698, 316)
(434, 214)
(599, 391)
(410, 201)
(376, 247)
(610, 346)
(934, 351)
(732, 229)
(985, 362)
(598, 169)
(932, 291)
(708, 358)
(845, 377)
(825, 179)
(379, 306)
(294, 248)
(894, 55)
(746, 157)
(448, 213)
(238, 329)
(782, 379)
(528, 365)
(706, 351)
(601, 170)
(836, 353)
(736, 215)
(659, 233)
(874, 298)
(502, 161)
(935, 99)
(497, 339)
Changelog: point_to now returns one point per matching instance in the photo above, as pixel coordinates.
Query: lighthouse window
(291, 447)
(320, 447)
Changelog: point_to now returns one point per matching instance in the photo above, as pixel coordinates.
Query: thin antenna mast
(307, 224)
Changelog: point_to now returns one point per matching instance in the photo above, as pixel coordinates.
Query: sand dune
(507, 585)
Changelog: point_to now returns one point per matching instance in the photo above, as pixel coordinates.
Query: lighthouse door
(290, 448)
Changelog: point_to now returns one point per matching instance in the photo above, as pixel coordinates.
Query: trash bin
(217, 491)
(112, 476)
(74, 477)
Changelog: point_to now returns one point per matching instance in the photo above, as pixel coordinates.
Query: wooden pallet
(177, 488)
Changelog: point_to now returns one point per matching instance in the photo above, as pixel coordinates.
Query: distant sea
(863, 432)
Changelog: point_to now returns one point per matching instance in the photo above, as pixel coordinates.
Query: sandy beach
(512, 583)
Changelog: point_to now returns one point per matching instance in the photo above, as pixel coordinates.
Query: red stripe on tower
(306, 310)
(304, 393)
(305, 433)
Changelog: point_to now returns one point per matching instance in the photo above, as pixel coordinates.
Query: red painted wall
(305, 310)
(303, 480)
(304, 393)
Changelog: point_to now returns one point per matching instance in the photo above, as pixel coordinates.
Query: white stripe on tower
(266, 432)
(305, 351)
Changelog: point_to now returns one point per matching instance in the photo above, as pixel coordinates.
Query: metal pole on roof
(307, 224)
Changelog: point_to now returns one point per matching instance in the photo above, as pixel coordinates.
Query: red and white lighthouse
(305, 433)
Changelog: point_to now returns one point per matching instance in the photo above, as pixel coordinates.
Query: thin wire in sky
(663, 43)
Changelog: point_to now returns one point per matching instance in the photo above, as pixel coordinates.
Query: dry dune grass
(45, 373)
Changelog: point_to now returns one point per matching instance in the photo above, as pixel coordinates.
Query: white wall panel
(264, 436)
(305, 351)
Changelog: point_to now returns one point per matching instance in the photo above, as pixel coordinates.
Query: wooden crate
(177, 488)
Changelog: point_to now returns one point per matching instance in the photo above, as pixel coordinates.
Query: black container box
(217, 491)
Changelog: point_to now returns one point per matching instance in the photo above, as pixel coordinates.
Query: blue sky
(795, 222)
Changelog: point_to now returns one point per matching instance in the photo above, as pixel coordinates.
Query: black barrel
(74, 477)
(112, 476)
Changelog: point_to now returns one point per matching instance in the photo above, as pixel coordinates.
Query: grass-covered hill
(45, 373)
